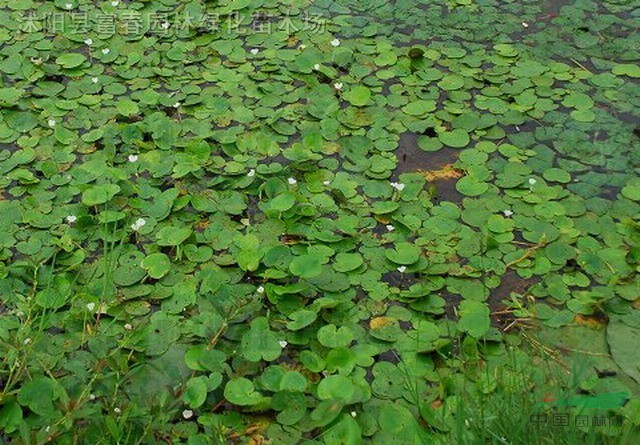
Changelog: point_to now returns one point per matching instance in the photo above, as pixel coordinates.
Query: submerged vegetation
(319, 222)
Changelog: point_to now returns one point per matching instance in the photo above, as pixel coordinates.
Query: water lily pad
(241, 392)
(403, 253)
(157, 265)
(457, 138)
(358, 96)
(70, 60)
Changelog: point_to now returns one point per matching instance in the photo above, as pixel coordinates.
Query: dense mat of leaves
(284, 220)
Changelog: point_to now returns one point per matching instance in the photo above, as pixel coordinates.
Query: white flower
(326, 182)
(507, 213)
(140, 222)
(187, 414)
(165, 25)
(291, 181)
(399, 186)
(251, 173)
(390, 228)
(128, 327)
(303, 46)
(316, 66)
(525, 24)
(91, 306)
(71, 219)
(532, 181)
(68, 5)
(115, 3)
(283, 343)
(335, 42)
(51, 123)
(88, 42)
(105, 51)
(254, 51)
(177, 105)
(133, 158)
(337, 86)
(27, 341)
(260, 290)
(94, 79)
(353, 414)
(117, 410)
(92, 396)
(401, 269)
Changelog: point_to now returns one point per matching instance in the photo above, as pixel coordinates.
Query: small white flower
(177, 105)
(254, 51)
(303, 46)
(68, 5)
(335, 42)
(399, 186)
(260, 290)
(71, 219)
(187, 414)
(283, 343)
(133, 158)
(91, 306)
(291, 181)
(27, 341)
(92, 396)
(36, 60)
(507, 213)
(140, 222)
(251, 173)
(353, 414)
(165, 25)
(326, 182)
(94, 79)
(105, 51)
(525, 24)
(316, 66)
(117, 410)
(47, 429)
(390, 228)
(51, 123)
(115, 3)
(337, 85)
(128, 327)
(88, 42)
(401, 269)
(532, 181)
